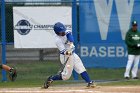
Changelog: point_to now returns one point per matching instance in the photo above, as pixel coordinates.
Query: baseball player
(64, 41)
(132, 41)
(12, 71)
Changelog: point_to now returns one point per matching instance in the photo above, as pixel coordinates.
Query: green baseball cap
(134, 23)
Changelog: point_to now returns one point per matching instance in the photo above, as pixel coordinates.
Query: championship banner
(103, 26)
(33, 26)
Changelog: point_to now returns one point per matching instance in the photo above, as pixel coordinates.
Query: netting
(24, 58)
(27, 54)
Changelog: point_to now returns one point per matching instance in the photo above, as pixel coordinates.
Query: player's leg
(128, 66)
(64, 75)
(50, 79)
(67, 71)
(80, 69)
(135, 67)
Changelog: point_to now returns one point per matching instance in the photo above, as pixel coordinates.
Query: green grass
(33, 74)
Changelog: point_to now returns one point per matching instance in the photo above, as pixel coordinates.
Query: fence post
(74, 29)
(3, 39)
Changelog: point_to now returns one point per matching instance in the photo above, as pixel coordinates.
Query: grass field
(33, 74)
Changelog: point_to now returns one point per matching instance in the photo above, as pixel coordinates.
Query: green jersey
(132, 39)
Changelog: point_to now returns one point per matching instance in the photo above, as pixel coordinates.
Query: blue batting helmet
(59, 27)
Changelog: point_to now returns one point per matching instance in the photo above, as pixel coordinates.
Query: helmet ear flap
(56, 32)
(60, 33)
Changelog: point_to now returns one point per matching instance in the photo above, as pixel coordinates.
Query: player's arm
(138, 45)
(69, 36)
(70, 40)
(5, 67)
(12, 71)
(128, 40)
(62, 48)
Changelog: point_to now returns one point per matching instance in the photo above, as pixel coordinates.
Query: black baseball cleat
(135, 78)
(127, 78)
(91, 84)
(48, 82)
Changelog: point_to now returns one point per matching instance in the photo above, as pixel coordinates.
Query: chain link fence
(28, 54)
(28, 60)
(34, 64)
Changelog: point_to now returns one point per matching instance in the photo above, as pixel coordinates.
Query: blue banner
(103, 26)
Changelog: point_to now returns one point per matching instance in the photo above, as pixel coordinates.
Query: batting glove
(68, 53)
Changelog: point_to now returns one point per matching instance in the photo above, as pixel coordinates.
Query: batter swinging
(64, 41)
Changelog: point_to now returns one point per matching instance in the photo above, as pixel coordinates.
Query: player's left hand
(12, 74)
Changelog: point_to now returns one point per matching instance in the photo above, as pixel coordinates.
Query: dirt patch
(73, 89)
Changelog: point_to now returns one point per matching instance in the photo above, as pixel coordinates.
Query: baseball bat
(63, 66)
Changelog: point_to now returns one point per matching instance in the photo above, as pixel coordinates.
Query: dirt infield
(73, 89)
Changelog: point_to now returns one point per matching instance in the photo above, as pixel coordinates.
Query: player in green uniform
(132, 41)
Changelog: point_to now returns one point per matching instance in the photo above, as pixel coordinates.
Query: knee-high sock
(56, 77)
(85, 76)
